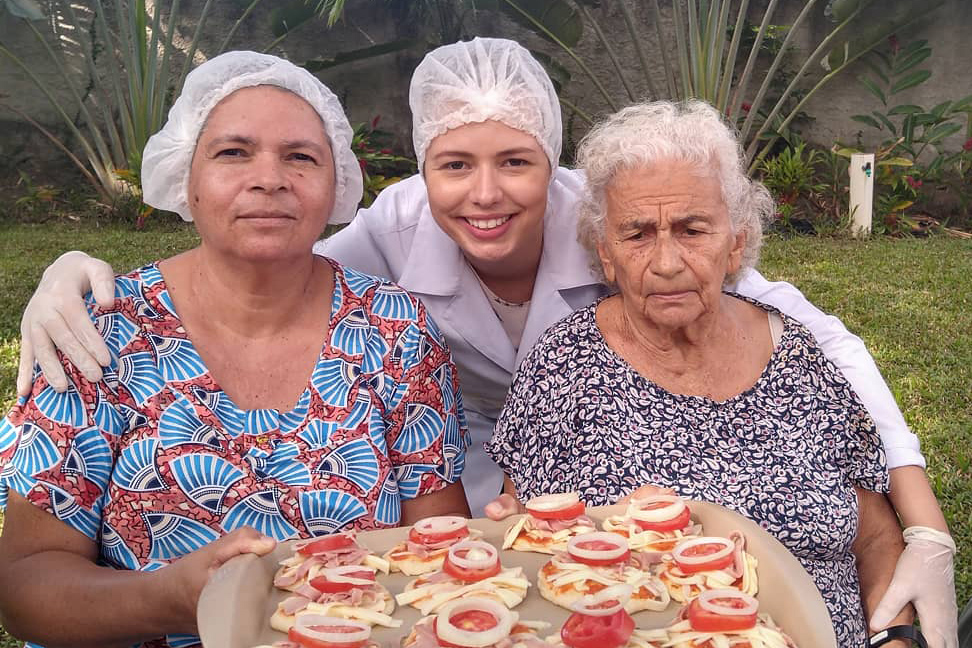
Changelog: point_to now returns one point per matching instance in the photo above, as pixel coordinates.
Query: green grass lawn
(908, 299)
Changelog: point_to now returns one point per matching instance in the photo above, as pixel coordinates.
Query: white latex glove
(56, 315)
(924, 576)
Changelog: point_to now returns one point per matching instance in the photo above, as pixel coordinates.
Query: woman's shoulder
(381, 298)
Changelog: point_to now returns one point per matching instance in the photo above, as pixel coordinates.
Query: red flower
(747, 106)
(895, 45)
(968, 145)
(914, 184)
(374, 122)
(386, 151)
(363, 165)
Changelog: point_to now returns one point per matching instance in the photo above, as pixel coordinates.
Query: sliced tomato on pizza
(725, 617)
(709, 562)
(428, 543)
(654, 524)
(471, 568)
(550, 521)
(596, 561)
(475, 623)
(315, 554)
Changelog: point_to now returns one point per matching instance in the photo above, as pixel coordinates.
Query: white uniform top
(397, 238)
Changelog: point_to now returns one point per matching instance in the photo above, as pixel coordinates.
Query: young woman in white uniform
(486, 237)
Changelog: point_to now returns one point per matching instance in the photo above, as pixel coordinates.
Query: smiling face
(487, 187)
(261, 185)
(668, 243)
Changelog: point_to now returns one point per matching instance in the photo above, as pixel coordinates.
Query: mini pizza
(428, 543)
(595, 561)
(551, 521)
(471, 568)
(654, 524)
(348, 592)
(320, 631)
(475, 623)
(313, 555)
(600, 621)
(708, 562)
(721, 618)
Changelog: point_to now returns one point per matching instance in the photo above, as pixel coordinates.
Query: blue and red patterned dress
(155, 461)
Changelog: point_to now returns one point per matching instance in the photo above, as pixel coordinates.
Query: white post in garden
(861, 193)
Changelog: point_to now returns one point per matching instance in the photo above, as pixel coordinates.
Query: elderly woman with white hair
(256, 392)
(673, 382)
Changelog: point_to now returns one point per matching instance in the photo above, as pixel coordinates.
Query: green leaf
(940, 109)
(940, 132)
(887, 122)
(867, 119)
(910, 81)
(963, 104)
(27, 9)
(873, 67)
(559, 17)
(912, 47)
(906, 109)
(558, 73)
(873, 89)
(289, 15)
(903, 64)
(315, 65)
(846, 152)
(895, 162)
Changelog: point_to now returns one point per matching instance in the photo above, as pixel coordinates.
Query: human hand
(56, 316)
(503, 507)
(924, 576)
(186, 577)
(648, 490)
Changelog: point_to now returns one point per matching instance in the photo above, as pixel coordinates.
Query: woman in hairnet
(256, 391)
(486, 236)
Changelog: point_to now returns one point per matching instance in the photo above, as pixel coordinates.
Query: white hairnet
(168, 153)
(485, 78)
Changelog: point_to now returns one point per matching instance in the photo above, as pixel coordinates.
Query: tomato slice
(295, 635)
(703, 620)
(470, 575)
(704, 550)
(677, 523)
(599, 545)
(436, 538)
(325, 586)
(327, 543)
(586, 631)
(471, 620)
(567, 513)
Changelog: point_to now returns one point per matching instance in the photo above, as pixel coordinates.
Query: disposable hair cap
(168, 153)
(482, 79)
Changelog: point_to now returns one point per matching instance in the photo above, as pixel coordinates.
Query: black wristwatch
(898, 632)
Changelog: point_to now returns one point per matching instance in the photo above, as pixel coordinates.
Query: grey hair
(647, 133)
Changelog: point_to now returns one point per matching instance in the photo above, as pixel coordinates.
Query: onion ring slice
(479, 555)
(673, 505)
(553, 502)
(678, 553)
(446, 631)
(355, 631)
(620, 546)
(440, 524)
(338, 574)
(597, 604)
(708, 598)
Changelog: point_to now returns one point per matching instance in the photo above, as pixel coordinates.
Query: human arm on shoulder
(56, 316)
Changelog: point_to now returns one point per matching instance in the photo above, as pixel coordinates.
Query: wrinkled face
(668, 243)
(261, 185)
(487, 187)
